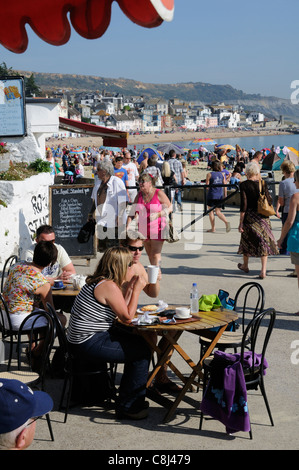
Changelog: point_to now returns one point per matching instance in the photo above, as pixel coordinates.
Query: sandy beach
(148, 139)
(195, 173)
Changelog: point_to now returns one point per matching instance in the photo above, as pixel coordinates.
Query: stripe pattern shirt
(88, 316)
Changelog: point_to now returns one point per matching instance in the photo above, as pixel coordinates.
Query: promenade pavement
(210, 259)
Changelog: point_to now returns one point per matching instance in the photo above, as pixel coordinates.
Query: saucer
(182, 318)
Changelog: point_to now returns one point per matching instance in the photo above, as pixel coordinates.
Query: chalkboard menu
(69, 209)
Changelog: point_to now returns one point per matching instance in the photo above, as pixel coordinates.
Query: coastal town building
(141, 114)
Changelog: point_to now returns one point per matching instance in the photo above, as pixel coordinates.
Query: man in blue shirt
(121, 173)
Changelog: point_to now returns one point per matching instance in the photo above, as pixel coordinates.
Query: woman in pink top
(153, 207)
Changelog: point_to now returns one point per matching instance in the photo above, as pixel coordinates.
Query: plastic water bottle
(194, 297)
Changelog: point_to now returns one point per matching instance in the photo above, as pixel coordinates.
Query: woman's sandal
(240, 266)
(262, 276)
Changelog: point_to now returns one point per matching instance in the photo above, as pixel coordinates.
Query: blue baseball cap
(18, 403)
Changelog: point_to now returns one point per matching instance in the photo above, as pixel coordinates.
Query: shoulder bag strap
(261, 186)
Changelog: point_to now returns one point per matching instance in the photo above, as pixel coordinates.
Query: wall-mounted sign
(12, 107)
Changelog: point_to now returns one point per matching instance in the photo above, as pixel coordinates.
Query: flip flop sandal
(242, 269)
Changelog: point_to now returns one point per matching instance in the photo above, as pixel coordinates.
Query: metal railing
(206, 211)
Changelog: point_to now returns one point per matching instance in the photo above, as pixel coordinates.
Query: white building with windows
(230, 120)
(256, 117)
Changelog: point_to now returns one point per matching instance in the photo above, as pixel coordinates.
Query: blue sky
(252, 46)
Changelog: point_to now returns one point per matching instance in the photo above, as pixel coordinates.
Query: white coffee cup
(182, 312)
(152, 272)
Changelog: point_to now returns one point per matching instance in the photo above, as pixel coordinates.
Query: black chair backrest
(258, 341)
(250, 293)
(7, 265)
(66, 356)
(58, 326)
(5, 323)
(46, 334)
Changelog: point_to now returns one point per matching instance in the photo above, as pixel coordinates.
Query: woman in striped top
(94, 335)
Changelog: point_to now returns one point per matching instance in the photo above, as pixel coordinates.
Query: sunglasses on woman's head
(135, 248)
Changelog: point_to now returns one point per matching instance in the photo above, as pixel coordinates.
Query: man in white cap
(20, 407)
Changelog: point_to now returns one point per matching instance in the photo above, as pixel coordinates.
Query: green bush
(41, 166)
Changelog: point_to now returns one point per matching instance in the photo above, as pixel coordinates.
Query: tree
(4, 71)
(31, 88)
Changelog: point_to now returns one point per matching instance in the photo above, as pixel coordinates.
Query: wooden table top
(206, 320)
(68, 291)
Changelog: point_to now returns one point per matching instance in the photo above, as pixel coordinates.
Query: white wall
(23, 149)
(42, 119)
(27, 201)
(27, 208)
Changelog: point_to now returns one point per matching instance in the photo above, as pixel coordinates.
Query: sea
(258, 142)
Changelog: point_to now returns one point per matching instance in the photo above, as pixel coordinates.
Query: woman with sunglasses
(134, 242)
(94, 335)
(153, 207)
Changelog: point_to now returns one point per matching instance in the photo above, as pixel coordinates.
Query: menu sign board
(69, 209)
(12, 107)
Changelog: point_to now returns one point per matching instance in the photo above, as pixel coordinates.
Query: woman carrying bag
(257, 239)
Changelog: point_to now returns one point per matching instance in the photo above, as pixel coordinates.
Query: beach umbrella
(165, 148)
(203, 141)
(78, 151)
(266, 150)
(150, 152)
(111, 149)
(225, 147)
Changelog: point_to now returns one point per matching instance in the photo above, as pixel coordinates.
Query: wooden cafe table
(201, 321)
(65, 297)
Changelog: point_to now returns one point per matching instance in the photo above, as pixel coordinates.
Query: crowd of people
(125, 194)
(150, 188)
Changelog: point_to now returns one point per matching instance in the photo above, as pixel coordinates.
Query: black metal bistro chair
(7, 265)
(259, 331)
(34, 369)
(249, 301)
(11, 336)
